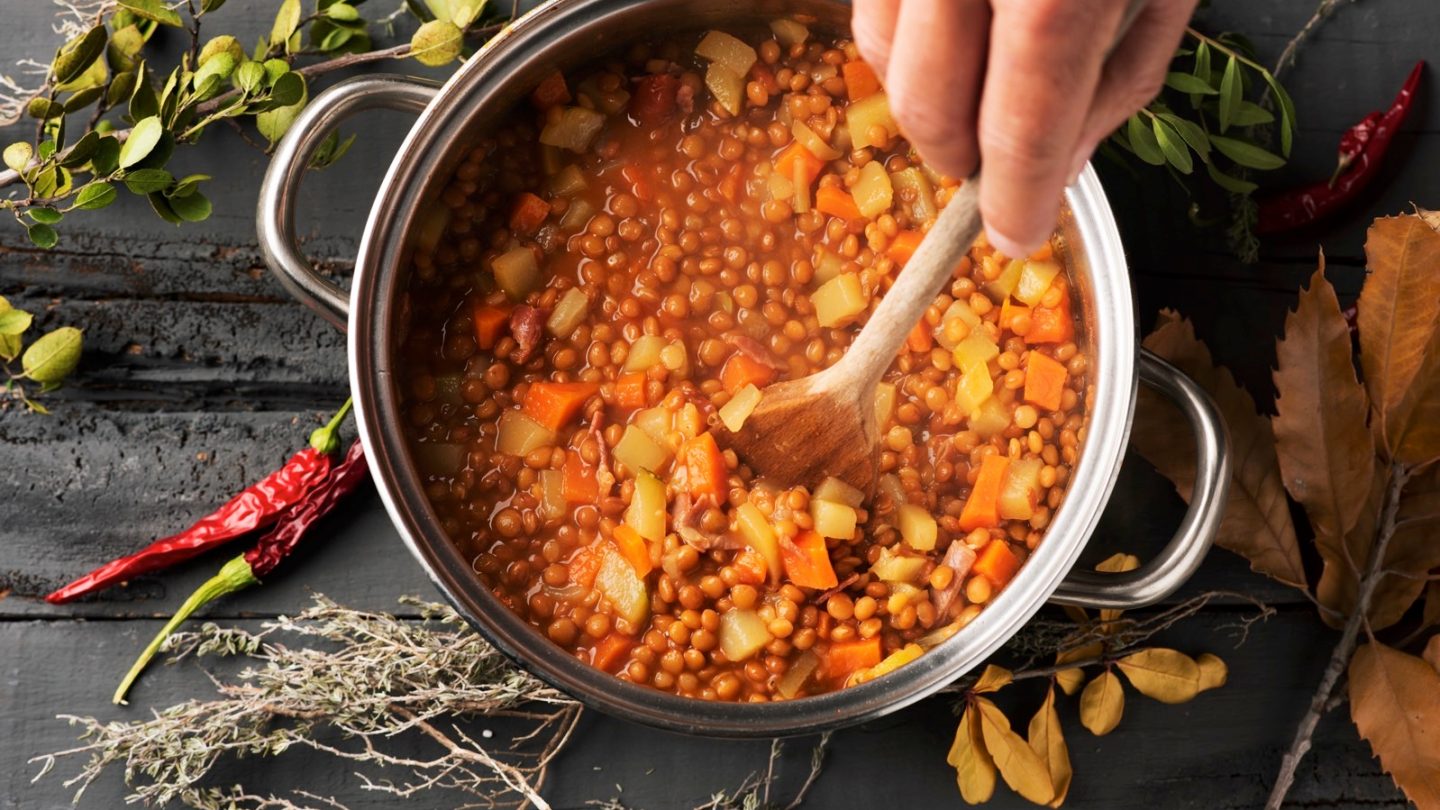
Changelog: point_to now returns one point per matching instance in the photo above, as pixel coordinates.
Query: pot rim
(496, 68)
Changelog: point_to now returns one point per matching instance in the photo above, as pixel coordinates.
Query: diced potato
(892, 566)
(891, 487)
(938, 636)
(622, 587)
(884, 403)
(828, 266)
(551, 159)
(577, 216)
(646, 514)
(833, 519)
(742, 634)
(1022, 489)
(1004, 284)
(723, 49)
(780, 187)
(958, 310)
(798, 674)
(519, 434)
(637, 451)
(644, 353)
(975, 350)
(973, 388)
(837, 491)
(516, 272)
(918, 527)
(990, 418)
(789, 32)
(575, 129)
(430, 225)
(809, 139)
(1035, 280)
(871, 111)
(552, 494)
(734, 413)
(839, 300)
(760, 535)
(609, 102)
(568, 182)
(726, 86)
(440, 458)
(872, 192)
(570, 310)
(656, 422)
(922, 204)
(892, 662)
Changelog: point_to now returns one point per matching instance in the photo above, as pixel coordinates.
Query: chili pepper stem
(326, 439)
(234, 576)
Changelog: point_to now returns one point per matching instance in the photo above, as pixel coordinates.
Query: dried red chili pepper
(1361, 150)
(257, 506)
(267, 553)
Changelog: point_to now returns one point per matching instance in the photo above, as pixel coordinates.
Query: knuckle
(1019, 149)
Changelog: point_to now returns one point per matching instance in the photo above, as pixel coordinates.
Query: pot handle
(1161, 576)
(275, 212)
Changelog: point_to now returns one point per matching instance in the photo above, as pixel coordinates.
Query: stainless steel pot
(563, 33)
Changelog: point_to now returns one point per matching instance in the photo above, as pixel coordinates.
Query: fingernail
(1006, 245)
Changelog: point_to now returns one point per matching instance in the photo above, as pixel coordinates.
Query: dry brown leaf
(1102, 704)
(974, 768)
(1395, 703)
(1213, 671)
(1421, 440)
(1432, 652)
(993, 679)
(1397, 317)
(1166, 675)
(1022, 769)
(1070, 680)
(1047, 738)
(1413, 552)
(1257, 521)
(1339, 583)
(1115, 564)
(1327, 456)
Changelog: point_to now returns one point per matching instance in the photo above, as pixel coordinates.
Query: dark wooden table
(200, 373)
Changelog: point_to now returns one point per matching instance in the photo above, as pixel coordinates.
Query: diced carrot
(730, 184)
(705, 469)
(903, 246)
(489, 323)
(554, 404)
(920, 339)
(851, 656)
(585, 564)
(982, 508)
(996, 562)
(742, 370)
(633, 548)
(611, 651)
(630, 390)
(837, 202)
(860, 80)
(807, 561)
(639, 183)
(1049, 325)
(749, 566)
(578, 480)
(1009, 310)
(1043, 253)
(529, 214)
(1045, 380)
(551, 92)
(654, 99)
(796, 153)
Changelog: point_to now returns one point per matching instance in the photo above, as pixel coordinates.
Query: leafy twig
(1287, 56)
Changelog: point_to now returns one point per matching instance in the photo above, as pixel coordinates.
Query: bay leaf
(974, 768)
(1395, 703)
(1397, 316)
(1021, 768)
(1257, 522)
(1213, 671)
(992, 679)
(1102, 704)
(1047, 738)
(1166, 675)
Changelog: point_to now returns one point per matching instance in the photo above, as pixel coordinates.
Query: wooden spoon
(824, 424)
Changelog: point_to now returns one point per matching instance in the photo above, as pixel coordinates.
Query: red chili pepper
(1361, 150)
(267, 553)
(257, 506)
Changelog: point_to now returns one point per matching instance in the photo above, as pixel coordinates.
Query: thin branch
(1322, 11)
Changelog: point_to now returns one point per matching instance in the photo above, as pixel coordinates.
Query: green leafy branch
(47, 361)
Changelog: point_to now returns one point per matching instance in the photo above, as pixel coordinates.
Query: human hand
(1029, 88)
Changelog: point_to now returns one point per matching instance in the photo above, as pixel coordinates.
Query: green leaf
(42, 108)
(464, 12)
(76, 56)
(1287, 112)
(208, 78)
(154, 10)
(1229, 182)
(1173, 146)
(249, 77)
(121, 88)
(187, 185)
(9, 344)
(226, 45)
(274, 69)
(93, 76)
(50, 359)
(162, 209)
(148, 181)
(1193, 134)
(1142, 141)
(143, 102)
(332, 37)
(53, 182)
(1186, 83)
(107, 156)
(193, 207)
(95, 196)
(81, 99)
(330, 150)
(42, 235)
(143, 137)
(48, 216)
(14, 322)
(287, 19)
(436, 43)
(47, 148)
(1230, 92)
(1246, 154)
(273, 123)
(208, 6)
(288, 89)
(82, 151)
(17, 156)
(125, 44)
(342, 12)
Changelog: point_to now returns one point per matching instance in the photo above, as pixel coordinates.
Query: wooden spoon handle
(927, 272)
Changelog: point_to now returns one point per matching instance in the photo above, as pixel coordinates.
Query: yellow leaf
(1070, 680)
(1102, 704)
(974, 768)
(1395, 703)
(993, 679)
(1166, 675)
(1023, 769)
(1115, 564)
(1213, 672)
(1432, 652)
(1081, 653)
(1048, 740)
